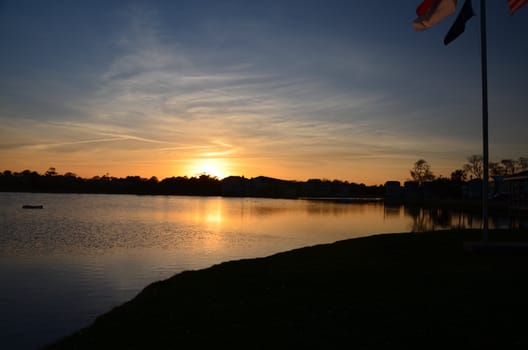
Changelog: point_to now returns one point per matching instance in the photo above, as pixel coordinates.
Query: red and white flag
(430, 12)
(516, 4)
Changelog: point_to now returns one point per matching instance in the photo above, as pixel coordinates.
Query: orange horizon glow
(253, 97)
(221, 168)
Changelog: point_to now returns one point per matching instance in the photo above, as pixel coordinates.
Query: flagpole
(485, 153)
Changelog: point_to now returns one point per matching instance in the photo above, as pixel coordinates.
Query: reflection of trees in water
(430, 219)
(269, 210)
(328, 207)
(423, 218)
(392, 210)
(311, 207)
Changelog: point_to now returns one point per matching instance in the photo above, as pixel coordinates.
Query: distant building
(393, 190)
(517, 187)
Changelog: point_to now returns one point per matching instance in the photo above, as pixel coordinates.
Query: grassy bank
(404, 289)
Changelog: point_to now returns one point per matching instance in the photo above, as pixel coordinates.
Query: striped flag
(431, 12)
(516, 4)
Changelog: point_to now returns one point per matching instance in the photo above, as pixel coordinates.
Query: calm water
(81, 255)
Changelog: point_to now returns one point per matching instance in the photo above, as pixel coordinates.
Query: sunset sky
(288, 89)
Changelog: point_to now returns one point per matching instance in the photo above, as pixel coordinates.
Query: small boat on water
(27, 206)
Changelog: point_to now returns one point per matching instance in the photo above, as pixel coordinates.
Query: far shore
(466, 205)
(389, 290)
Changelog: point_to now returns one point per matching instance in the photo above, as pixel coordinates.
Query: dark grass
(392, 290)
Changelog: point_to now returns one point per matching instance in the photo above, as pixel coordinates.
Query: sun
(211, 167)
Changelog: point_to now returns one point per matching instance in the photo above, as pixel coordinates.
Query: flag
(460, 23)
(516, 4)
(431, 12)
(423, 7)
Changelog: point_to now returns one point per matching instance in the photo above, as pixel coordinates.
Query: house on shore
(517, 187)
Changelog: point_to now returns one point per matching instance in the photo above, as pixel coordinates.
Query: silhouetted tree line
(424, 184)
(472, 169)
(51, 181)
(269, 187)
(465, 182)
(202, 185)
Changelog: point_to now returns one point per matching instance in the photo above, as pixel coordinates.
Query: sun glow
(212, 167)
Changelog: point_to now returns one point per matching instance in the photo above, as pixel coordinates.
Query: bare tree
(422, 172)
(474, 166)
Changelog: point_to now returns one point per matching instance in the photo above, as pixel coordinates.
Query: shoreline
(381, 290)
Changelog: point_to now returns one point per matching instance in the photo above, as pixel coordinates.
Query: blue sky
(290, 89)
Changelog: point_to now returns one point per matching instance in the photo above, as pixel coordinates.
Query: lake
(82, 254)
